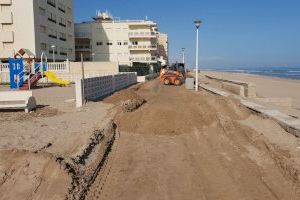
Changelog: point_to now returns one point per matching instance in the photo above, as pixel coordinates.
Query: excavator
(173, 75)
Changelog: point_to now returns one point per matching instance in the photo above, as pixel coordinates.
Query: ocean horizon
(280, 72)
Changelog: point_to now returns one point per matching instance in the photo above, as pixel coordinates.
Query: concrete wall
(142, 79)
(234, 88)
(91, 89)
(283, 102)
(95, 67)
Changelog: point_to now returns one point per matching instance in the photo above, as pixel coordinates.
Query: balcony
(142, 34)
(152, 59)
(143, 47)
(83, 35)
(83, 48)
(5, 2)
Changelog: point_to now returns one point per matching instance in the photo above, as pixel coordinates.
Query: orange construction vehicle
(173, 75)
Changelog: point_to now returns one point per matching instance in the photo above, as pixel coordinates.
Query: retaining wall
(234, 88)
(92, 89)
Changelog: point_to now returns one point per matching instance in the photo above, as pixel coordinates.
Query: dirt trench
(186, 145)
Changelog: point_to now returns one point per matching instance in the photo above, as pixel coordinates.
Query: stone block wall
(92, 89)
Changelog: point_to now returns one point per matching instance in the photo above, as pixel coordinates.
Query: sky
(234, 33)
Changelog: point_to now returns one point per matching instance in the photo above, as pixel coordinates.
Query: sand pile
(187, 110)
(128, 99)
(18, 115)
(26, 175)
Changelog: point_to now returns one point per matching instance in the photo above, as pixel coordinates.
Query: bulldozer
(173, 75)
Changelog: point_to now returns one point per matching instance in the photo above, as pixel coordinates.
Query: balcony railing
(142, 47)
(83, 48)
(4, 67)
(83, 35)
(145, 34)
(152, 59)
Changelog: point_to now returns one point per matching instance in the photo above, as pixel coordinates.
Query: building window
(62, 22)
(42, 11)
(99, 43)
(43, 46)
(109, 43)
(51, 17)
(134, 42)
(62, 36)
(52, 3)
(126, 43)
(120, 43)
(61, 7)
(52, 34)
(63, 51)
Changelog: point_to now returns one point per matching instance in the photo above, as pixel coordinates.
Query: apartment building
(163, 47)
(124, 41)
(38, 25)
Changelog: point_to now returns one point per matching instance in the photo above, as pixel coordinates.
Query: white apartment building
(163, 46)
(37, 25)
(123, 41)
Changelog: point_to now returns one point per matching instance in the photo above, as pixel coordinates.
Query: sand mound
(26, 175)
(174, 111)
(22, 116)
(122, 96)
(132, 104)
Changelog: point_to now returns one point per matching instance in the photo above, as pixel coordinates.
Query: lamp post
(93, 56)
(197, 24)
(53, 52)
(183, 55)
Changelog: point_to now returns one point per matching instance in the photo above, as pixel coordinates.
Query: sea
(281, 72)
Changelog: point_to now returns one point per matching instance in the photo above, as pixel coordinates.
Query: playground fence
(4, 67)
(59, 66)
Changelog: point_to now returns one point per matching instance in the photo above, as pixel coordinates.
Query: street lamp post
(53, 52)
(183, 55)
(197, 24)
(93, 56)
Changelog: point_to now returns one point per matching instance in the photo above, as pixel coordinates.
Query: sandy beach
(269, 87)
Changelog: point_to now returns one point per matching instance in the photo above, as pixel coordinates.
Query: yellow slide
(52, 77)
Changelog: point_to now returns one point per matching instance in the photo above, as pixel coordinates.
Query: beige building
(163, 46)
(123, 41)
(37, 25)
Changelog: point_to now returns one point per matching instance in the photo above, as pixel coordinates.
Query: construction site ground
(170, 143)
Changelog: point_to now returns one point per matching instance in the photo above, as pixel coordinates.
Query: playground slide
(52, 77)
